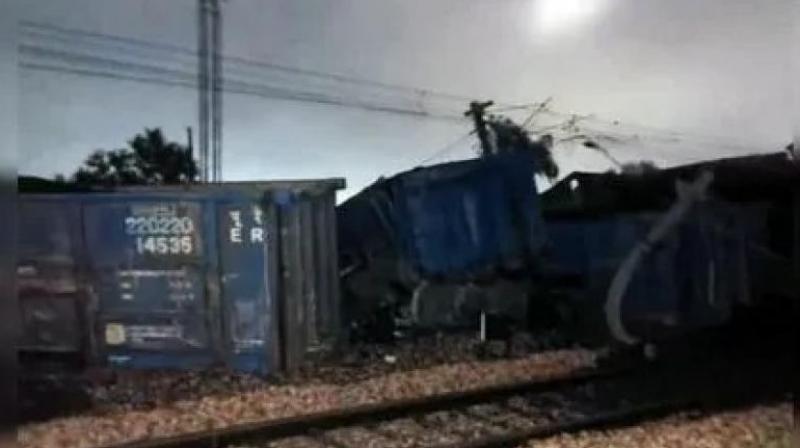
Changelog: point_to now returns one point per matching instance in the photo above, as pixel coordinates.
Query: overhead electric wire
(242, 90)
(358, 103)
(513, 107)
(83, 58)
(672, 139)
(651, 139)
(102, 74)
(188, 79)
(446, 148)
(634, 131)
(140, 54)
(637, 130)
(537, 109)
(188, 61)
(164, 47)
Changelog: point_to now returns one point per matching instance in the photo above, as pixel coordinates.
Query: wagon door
(245, 286)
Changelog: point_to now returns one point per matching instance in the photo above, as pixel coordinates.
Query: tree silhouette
(149, 160)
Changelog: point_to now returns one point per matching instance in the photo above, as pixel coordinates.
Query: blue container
(454, 220)
(189, 277)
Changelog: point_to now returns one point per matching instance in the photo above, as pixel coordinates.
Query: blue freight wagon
(436, 244)
(240, 274)
(693, 277)
(623, 257)
(675, 250)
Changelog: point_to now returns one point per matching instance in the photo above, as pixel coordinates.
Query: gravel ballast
(266, 401)
(145, 390)
(758, 427)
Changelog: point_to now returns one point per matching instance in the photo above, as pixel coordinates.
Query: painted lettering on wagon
(237, 233)
(159, 229)
(179, 286)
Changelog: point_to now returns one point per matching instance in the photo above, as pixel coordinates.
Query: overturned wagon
(626, 258)
(242, 274)
(676, 250)
(437, 246)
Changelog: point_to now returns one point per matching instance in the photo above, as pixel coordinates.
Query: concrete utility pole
(209, 88)
(477, 110)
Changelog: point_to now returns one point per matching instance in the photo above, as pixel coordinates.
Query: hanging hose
(687, 194)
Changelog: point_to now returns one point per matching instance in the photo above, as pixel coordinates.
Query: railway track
(502, 416)
(379, 417)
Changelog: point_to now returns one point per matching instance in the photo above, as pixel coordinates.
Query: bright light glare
(559, 16)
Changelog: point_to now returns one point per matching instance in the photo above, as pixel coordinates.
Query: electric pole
(190, 147)
(216, 91)
(209, 88)
(203, 76)
(477, 110)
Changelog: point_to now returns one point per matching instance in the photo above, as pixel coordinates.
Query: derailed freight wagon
(240, 274)
(676, 250)
(436, 246)
(625, 258)
(637, 286)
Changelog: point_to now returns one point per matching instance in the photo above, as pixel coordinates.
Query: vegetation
(149, 160)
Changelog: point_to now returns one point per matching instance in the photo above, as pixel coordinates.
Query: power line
(143, 54)
(171, 48)
(39, 30)
(192, 85)
(446, 148)
(537, 109)
(38, 51)
(636, 130)
(615, 129)
(187, 79)
(101, 74)
(83, 57)
(616, 132)
(672, 139)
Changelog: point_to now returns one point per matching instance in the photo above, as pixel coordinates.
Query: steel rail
(605, 420)
(375, 412)
(618, 418)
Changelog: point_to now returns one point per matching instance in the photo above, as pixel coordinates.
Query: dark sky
(687, 79)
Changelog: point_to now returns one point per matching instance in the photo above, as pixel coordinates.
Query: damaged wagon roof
(748, 178)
